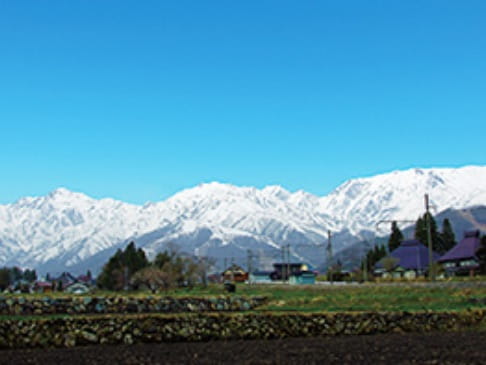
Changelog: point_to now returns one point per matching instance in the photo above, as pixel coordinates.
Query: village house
(462, 259)
(409, 260)
(295, 273)
(235, 273)
(259, 277)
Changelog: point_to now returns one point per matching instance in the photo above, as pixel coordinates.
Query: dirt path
(431, 348)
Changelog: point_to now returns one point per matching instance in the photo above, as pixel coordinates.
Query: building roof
(261, 273)
(465, 249)
(412, 255)
(43, 284)
(304, 273)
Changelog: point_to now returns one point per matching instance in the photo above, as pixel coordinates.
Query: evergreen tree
(117, 272)
(481, 255)
(447, 236)
(421, 233)
(374, 255)
(4, 278)
(396, 237)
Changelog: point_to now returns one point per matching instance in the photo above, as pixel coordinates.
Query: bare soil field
(430, 348)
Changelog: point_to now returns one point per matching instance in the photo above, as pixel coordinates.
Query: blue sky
(137, 100)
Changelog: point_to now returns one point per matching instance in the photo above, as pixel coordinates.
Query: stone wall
(137, 328)
(120, 304)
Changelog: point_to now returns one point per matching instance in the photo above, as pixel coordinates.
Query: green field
(359, 298)
(315, 298)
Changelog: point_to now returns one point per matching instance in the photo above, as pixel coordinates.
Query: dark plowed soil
(432, 348)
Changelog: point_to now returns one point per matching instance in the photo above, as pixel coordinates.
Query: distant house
(260, 277)
(42, 287)
(63, 280)
(215, 278)
(235, 273)
(303, 277)
(282, 271)
(411, 259)
(77, 288)
(462, 259)
(86, 279)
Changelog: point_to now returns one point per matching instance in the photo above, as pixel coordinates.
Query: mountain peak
(60, 192)
(71, 227)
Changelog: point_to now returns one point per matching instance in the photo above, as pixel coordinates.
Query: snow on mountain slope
(360, 203)
(68, 228)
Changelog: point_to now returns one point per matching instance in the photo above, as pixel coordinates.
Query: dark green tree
(421, 232)
(162, 258)
(117, 272)
(30, 275)
(396, 237)
(4, 278)
(481, 255)
(16, 274)
(447, 236)
(374, 255)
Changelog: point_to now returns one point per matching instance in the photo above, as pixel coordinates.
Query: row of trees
(441, 241)
(14, 275)
(130, 269)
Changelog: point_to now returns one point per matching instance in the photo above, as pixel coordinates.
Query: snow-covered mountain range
(68, 230)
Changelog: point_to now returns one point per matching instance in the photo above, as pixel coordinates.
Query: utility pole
(288, 263)
(249, 265)
(429, 237)
(329, 254)
(283, 263)
(365, 268)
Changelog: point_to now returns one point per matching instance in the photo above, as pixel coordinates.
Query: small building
(303, 277)
(63, 280)
(77, 288)
(235, 273)
(462, 259)
(216, 278)
(42, 287)
(411, 260)
(257, 277)
(284, 270)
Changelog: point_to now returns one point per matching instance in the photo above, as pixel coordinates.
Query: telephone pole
(249, 265)
(329, 254)
(429, 237)
(283, 263)
(288, 263)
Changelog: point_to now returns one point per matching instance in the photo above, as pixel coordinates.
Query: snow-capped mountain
(71, 230)
(399, 195)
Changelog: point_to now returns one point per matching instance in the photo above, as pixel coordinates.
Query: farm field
(337, 298)
(429, 348)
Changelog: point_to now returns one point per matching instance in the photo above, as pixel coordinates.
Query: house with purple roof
(462, 259)
(411, 260)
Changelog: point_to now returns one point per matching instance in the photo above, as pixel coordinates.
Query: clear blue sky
(137, 100)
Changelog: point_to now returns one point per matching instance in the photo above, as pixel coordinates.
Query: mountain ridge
(219, 220)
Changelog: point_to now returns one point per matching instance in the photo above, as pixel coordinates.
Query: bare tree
(153, 278)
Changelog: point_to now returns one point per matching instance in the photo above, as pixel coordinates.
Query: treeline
(442, 241)
(14, 276)
(129, 269)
